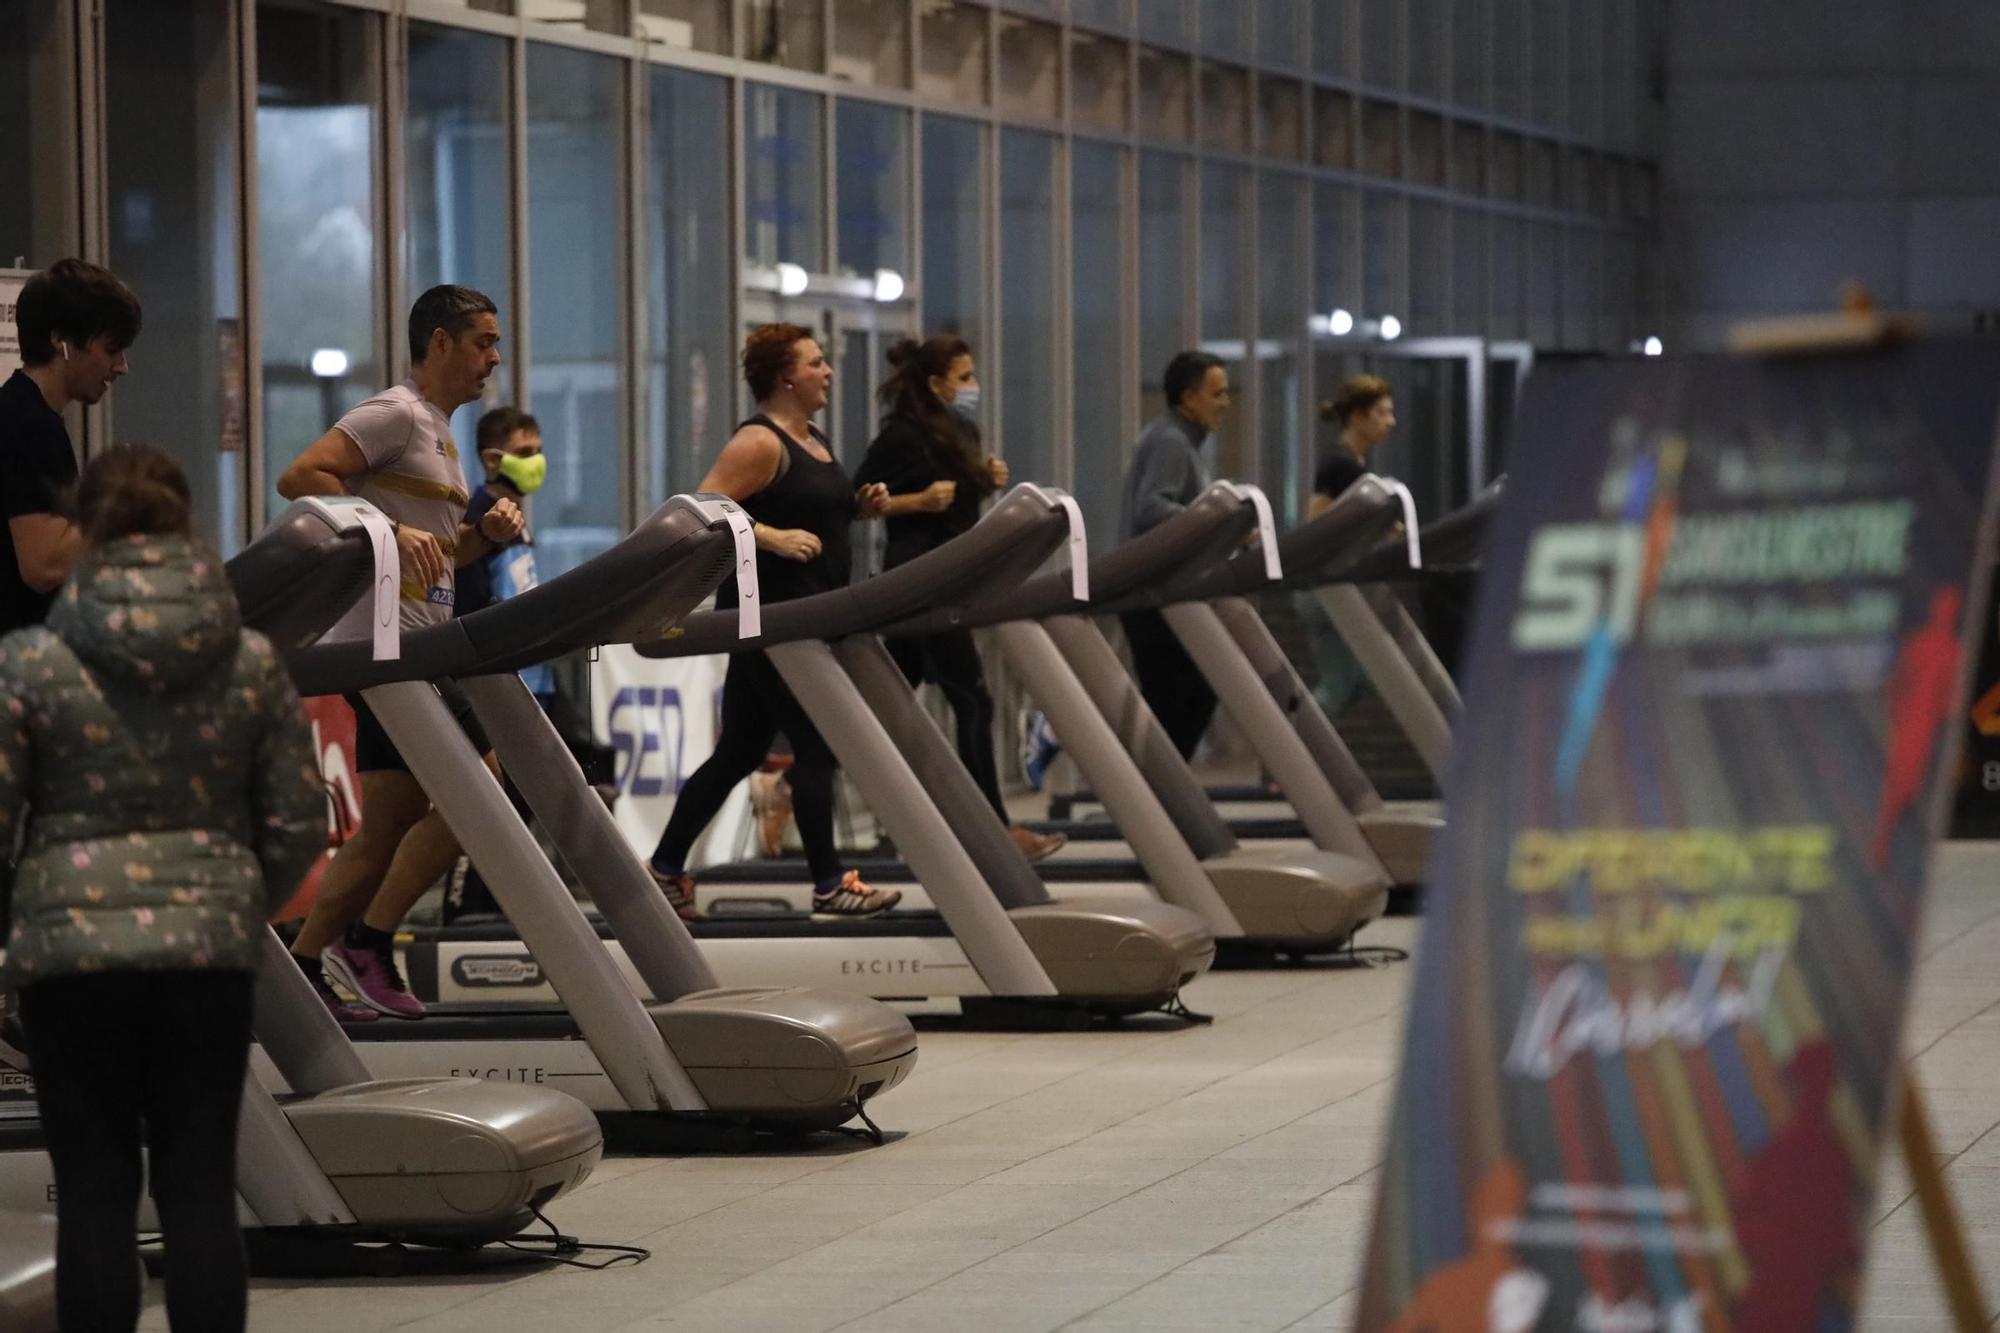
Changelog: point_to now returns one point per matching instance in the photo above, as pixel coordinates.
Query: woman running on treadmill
(779, 468)
(927, 454)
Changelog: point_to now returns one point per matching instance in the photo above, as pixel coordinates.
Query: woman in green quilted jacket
(157, 751)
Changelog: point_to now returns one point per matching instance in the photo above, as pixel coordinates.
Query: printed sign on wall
(1728, 612)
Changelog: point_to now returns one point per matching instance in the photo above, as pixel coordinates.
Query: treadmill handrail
(1313, 552)
(1016, 536)
(1452, 544)
(1210, 528)
(297, 578)
(640, 587)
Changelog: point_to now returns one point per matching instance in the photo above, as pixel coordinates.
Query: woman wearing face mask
(927, 454)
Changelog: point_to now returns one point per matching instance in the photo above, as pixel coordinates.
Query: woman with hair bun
(173, 803)
(927, 454)
(779, 468)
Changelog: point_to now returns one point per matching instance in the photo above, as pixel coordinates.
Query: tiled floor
(1154, 1177)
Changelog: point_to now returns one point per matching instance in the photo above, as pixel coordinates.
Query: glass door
(1507, 367)
(1440, 445)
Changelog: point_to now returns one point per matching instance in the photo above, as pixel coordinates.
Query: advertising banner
(660, 717)
(1716, 687)
(11, 282)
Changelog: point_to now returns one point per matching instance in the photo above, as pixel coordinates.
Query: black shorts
(374, 752)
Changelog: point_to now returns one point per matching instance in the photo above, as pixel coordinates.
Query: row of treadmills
(358, 1145)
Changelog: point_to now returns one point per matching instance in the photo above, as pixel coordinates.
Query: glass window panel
(1382, 51)
(1468, 157)
(690, 341)
(1163, 291)
(1541, 170)
(1382, 248)
(1468, 272)
(317, 128)
(782, 181)
(871, 43)
(1586, 70)
(1332, 35)
(1224, 301)
(1426, 163)
(1164, 93)
(1549, 69)
(1108, 15)
(791, 33)
(1427, 47)
(35, 94)
(1030, 67)
(1430, 268)
(575, 109)
(1281, 32)
(954, 221)
(1470, 49)
(1097, 286)
(952, 50)
(1028, 333)
(1382, 139)
(1335, 283)
(873, 176)
(1100, 81)
(1222, 29)
(1508, 155)
(1622, 86)
(1281, 329)
(1510, 57)
(1621, 263)
(456, 163)
(170, 153)
(1047, 9)
(1507, 277)
(484, 6)
(1333, 134)
(688, 25)
(594, 15)
(1583, 281)
(1225, 108)
(1544, 259)
(1280, 117)
(1164, 21)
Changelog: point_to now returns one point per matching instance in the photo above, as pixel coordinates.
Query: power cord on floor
(559, 1248)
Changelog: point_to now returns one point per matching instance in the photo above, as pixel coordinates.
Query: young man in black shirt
(75, 322)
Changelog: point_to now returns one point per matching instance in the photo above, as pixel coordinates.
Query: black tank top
(807, 493)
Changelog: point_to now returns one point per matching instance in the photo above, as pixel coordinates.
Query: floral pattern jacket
(159, 755)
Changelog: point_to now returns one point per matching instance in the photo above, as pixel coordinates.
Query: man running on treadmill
(396, 451)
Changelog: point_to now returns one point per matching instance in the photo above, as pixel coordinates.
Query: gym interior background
(1082, 188)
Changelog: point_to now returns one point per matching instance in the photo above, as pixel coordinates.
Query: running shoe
(1037, 846)
(678, 889)
(851, 897)
(372, 977)
(343, 1011)
(1039, 749)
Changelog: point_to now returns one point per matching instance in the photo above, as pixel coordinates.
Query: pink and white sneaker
(373, 978)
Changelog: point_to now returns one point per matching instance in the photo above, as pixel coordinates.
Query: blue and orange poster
(1717, 687)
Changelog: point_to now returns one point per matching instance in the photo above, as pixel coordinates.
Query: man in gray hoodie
(1169, 469)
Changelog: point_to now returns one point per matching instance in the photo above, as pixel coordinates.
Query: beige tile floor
(1153, 1177)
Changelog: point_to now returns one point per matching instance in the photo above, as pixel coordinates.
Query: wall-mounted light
(791, 279)
(888, 285)
(1653, 346)
(328, 363)
(1391, 328)
(1340, 323)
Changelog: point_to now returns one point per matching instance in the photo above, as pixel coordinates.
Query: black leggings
(168, 1050)
(1172, 685)
(951, 660)
(756, 706)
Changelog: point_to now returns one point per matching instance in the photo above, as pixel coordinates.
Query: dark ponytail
(132, 490)
(953, 442)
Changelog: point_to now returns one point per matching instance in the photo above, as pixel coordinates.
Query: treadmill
(697, 1063)
(340, 1160)
(997, 942)
(1300, 900)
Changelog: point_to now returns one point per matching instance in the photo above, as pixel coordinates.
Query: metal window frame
(85, 26)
